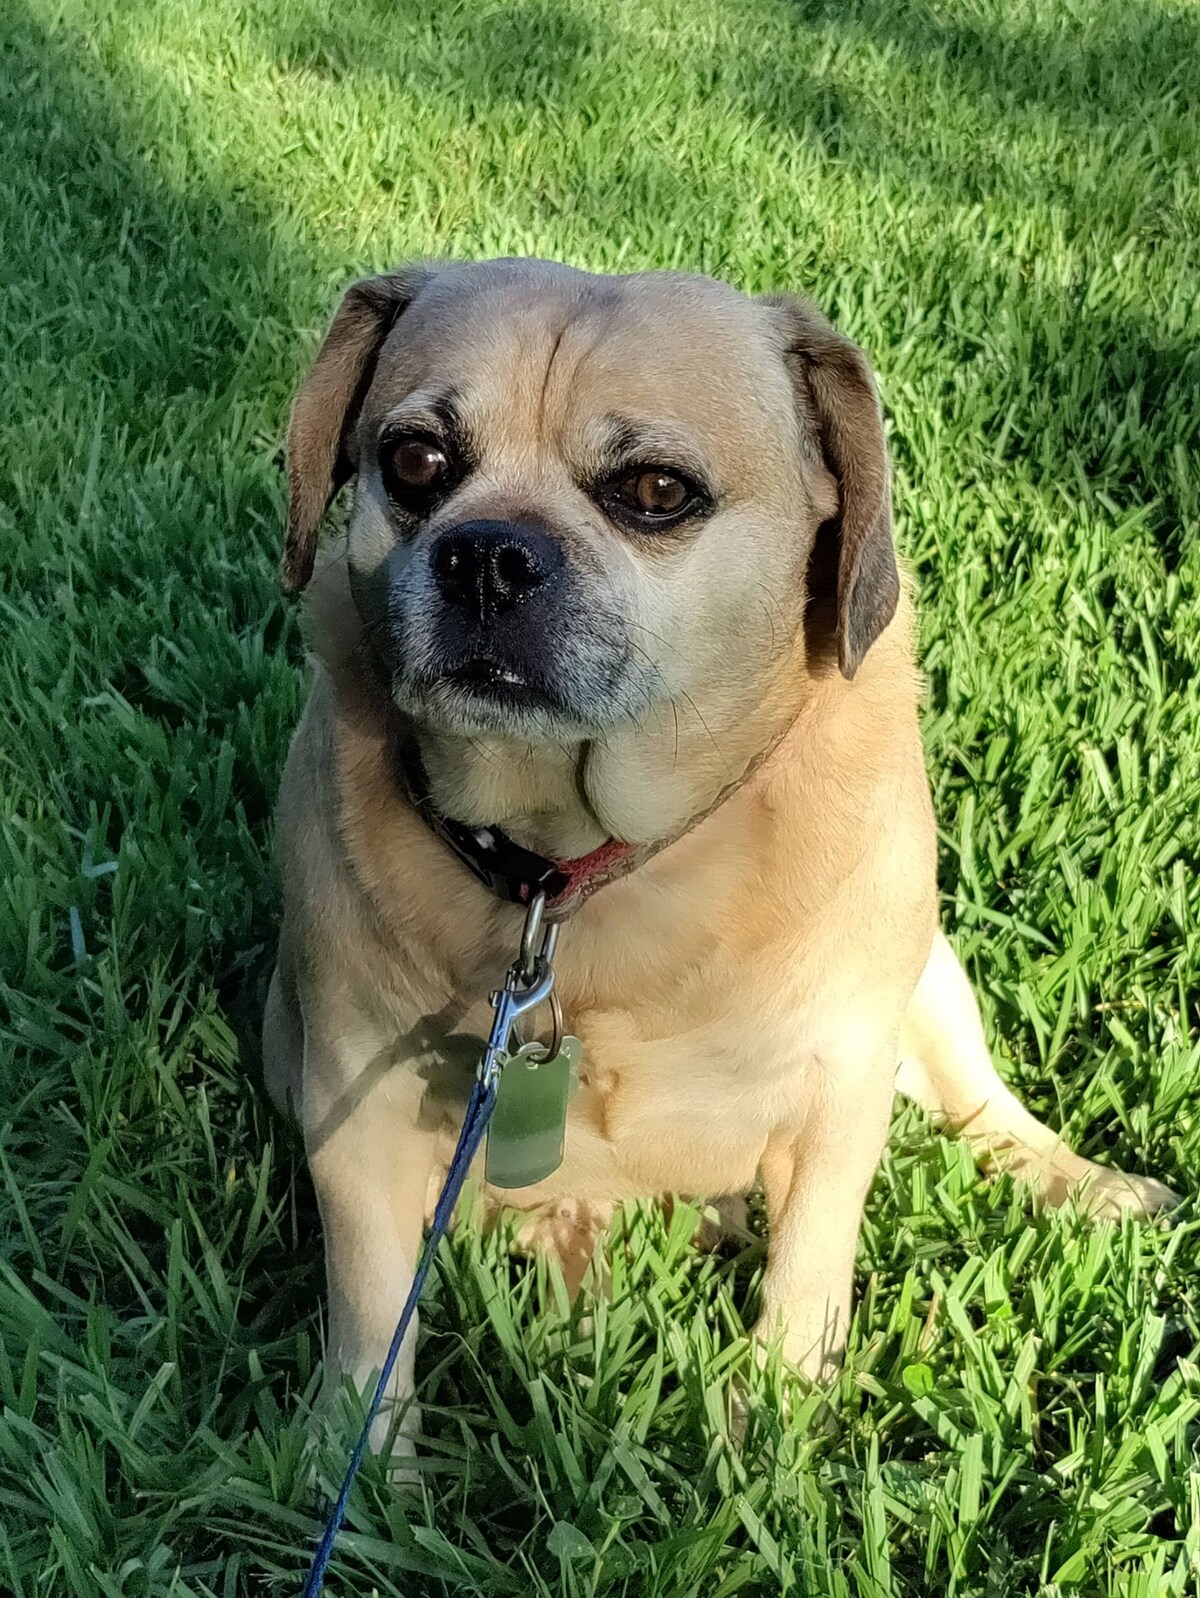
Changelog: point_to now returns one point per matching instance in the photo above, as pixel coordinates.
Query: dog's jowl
(618, 586)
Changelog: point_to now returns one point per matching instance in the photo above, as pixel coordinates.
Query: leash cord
(479, 1110)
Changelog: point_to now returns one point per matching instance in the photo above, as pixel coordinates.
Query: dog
(619, 588)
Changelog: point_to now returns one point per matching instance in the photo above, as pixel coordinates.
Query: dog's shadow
(435, 1051)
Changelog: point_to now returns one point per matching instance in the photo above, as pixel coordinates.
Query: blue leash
(530, 982)
(479, 1110)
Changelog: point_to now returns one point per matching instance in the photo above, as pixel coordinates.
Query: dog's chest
(690, 1112)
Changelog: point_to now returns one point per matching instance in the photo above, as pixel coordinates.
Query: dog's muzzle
(495, 615)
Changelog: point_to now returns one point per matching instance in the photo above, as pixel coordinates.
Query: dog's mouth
(492, 688)
(489, 679)
(567, 679)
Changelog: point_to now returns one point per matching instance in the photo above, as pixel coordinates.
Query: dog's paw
(396, 1441)
(724, 1220)
(336, 1424)
(1059, 1177)
(567, 1231)
(799, 1399)
(1105, 1194)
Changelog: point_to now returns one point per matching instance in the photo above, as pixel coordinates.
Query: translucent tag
(527, 1131)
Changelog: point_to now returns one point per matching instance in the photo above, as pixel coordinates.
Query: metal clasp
(528, 983)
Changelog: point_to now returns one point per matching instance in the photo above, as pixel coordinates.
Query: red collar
(515, 874)
(590, 871)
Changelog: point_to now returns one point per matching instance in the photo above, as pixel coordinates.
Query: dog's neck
(642, 785)
(534, 792)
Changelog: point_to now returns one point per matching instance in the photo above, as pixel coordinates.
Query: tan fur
(744, 997)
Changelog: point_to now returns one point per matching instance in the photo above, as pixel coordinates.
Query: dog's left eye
(653, 496)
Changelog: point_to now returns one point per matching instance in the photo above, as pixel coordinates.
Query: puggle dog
(618, 586)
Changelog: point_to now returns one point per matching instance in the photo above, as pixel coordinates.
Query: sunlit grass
(1000, 202)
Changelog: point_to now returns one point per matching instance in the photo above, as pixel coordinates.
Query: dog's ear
(319, 458)
(840, 419)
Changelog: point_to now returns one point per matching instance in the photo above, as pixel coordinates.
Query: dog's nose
(492, 567)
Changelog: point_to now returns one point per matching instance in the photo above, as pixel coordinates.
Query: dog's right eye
(415, 470)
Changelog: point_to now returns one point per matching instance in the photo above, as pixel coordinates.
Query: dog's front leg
(815, 1181)
(371, 1164)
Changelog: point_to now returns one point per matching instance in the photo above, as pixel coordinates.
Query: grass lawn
(999, 199)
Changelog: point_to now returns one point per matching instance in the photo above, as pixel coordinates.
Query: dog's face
(585, 501)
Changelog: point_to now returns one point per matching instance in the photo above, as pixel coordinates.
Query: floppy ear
(839, 413)
(324, 412)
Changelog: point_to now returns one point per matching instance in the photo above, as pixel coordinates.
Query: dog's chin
(482, 699)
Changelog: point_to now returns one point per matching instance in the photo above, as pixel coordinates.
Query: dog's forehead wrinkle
(554, 349)
(579, 336)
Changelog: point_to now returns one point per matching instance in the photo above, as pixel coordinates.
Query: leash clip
(529, 982)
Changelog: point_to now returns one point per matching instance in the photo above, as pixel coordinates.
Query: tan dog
(620, 558)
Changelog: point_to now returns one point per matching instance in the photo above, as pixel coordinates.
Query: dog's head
(583, 499)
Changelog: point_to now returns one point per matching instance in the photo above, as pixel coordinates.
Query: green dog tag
(527, 1131)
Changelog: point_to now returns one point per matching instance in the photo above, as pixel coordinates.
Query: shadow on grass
(1125, 70)
(132, 300)
(522, 54)
(1088, 73)
(113, 272)
(135, 367)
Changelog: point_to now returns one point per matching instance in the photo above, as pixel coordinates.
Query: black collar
(512, 873)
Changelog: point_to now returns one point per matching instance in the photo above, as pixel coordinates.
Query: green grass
(999, 199)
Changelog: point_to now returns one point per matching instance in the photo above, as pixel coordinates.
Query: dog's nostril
(516, 567)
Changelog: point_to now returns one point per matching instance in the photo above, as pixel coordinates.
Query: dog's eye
(415, 469)
(658, 493)
(418, 464)
(653, 496)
